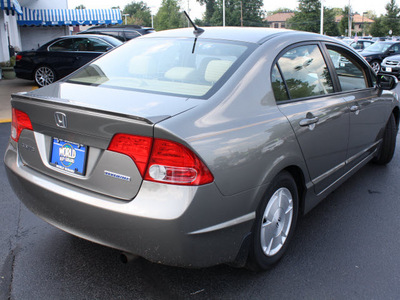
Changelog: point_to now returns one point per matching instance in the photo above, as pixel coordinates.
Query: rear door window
(304, 72)
(63, 45)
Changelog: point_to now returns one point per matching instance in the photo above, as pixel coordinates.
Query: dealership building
(28, 24)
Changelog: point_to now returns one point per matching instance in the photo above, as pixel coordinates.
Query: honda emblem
(61, 119)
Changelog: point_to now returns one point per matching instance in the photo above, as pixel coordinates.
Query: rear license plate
(68, 156)
(388, 69)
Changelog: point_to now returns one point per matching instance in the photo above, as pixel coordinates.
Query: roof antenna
(197, 31)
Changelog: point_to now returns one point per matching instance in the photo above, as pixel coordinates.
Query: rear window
(171, 66)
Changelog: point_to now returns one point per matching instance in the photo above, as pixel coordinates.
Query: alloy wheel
(276, 222)
(44, 76)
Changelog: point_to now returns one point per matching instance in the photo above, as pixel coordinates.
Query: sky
(196, 11)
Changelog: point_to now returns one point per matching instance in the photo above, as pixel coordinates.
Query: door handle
(355, 109)
(309, 121)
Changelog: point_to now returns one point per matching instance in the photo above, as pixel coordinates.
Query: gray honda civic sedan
(193, 148)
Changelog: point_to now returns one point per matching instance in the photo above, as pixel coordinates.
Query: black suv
(122, 32)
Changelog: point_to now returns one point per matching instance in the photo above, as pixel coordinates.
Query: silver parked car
(391, 65)
(195, 149)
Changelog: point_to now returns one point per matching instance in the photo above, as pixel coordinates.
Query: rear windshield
(168, 66)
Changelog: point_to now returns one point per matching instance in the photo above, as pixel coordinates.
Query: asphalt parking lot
(346, 248)
(7, 87)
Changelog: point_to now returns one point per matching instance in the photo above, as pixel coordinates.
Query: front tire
(275, 223)
(388, 146)
(376, 66)
(44, 75)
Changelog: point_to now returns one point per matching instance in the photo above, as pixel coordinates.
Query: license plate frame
(68, 156)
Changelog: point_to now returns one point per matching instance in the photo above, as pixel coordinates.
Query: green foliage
(139, 13)
(251, 10)
(169, 16)
(343, 25)
(377, 28)
(8, 63)
(80, 7)
(211, 6)
(391, 21)
(279, 10)
(307, 18)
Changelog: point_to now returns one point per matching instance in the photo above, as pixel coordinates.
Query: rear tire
(388, 146)
(44, 75)
(275, 223)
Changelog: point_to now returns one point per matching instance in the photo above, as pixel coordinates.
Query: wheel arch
(298, 176)
(396, 116)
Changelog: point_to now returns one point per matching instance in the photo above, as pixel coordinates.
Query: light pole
(188, 13)
(322, 18)
(125, 16)
(363, 24)
(223, 13)
(349, 32)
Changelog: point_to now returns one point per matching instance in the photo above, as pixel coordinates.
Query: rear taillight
(136, 147)
(20, 121)
(162, 160)
(18, 57)
(171, 162)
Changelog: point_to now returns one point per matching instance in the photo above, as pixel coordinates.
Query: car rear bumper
(23, 73)
(173, 225)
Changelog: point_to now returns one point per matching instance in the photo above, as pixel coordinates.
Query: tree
(279, 10)
(210, 9)
(391, 19)
(234, 10)
(343, 25)
(139, 13)
(307, 18)
(169, 16)
(80, 7)
(377, 28)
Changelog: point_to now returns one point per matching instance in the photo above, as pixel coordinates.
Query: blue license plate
(68, 156)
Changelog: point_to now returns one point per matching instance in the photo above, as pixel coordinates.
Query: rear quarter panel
(239, 132)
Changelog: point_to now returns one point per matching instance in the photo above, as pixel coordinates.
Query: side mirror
(386, 81)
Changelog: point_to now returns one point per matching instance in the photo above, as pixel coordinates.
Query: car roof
(75, 36)
(242, 34)
(364, 40)
(388, 42)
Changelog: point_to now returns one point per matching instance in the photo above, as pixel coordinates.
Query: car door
(88, 48)
(368, 113)
(304, 92)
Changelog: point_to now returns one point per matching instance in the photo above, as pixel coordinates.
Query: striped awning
(11, 6)
(68, 17)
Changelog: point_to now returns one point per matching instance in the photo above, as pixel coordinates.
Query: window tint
(131, 34)
(305, 72)
(91, 45)
(278, 85)
(395, 48)
(350, 73)
(63, 45)
(116, 34)
(163, 65)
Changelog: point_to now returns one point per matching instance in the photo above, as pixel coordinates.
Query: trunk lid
(93, 116)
